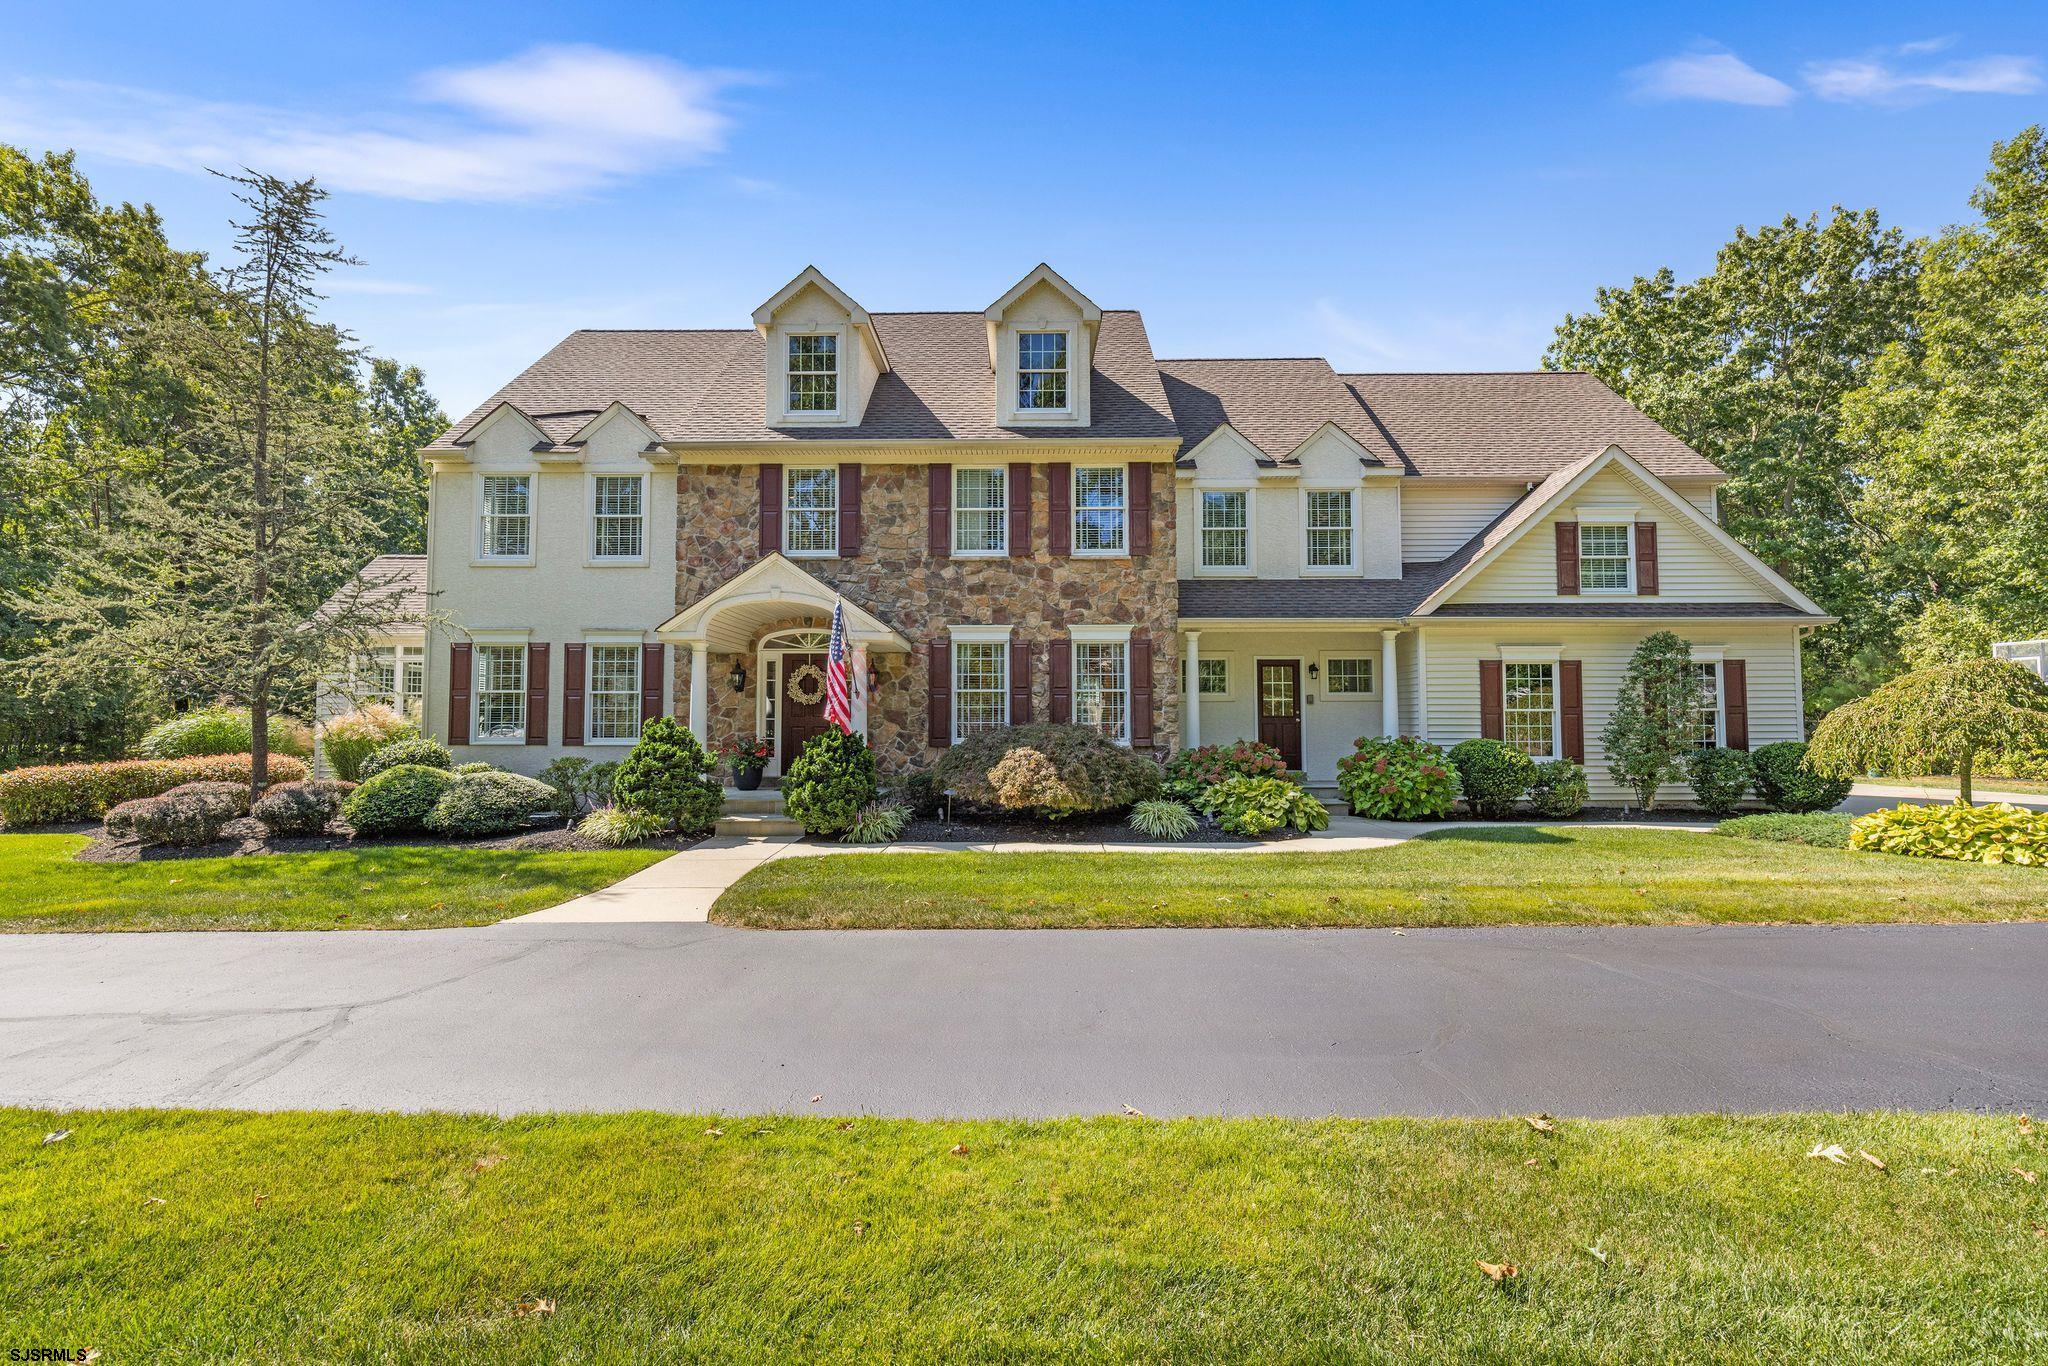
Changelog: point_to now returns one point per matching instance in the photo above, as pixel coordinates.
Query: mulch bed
(247, 837)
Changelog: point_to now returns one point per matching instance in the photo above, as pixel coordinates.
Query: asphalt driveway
(701, 1017)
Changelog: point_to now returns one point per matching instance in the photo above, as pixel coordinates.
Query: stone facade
(901, 581)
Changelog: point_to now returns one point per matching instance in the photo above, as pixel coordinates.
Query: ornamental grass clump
(1935, 721)
(1164, 819)
(1397, 779)
(670, 775)
(1492, 776)
(617, 826)
(221, 730)
(877, 823)
(352, 737)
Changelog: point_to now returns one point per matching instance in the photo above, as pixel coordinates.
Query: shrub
(1258, 806)
(876, 823)
(222, 730)
(1492, 776)
(617, 826)
(923, 793)
(300, 808)
(1787, 782)
(121, 819)
(1655, 722)
(1100, 774)
(1025, 780)
(478, 767)
(668, 774)
(354, 736)
(1559, 789)
(396, 801)
(52, 793)
(417, 749)
(1398, 779)
(234, 794)
(1996, 833)
(1193, 771)
(493, 803)
(1720, 778)
(826, 785)
(1163, 820)
(192, 814)
(1821, 829)
(570, 778)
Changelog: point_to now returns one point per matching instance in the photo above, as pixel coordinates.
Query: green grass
(1822, 829)
(412, 887)
(1478, 876)
(192, 1236)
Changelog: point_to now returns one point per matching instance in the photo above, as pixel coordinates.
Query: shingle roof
(1275, 404)
(399, 580)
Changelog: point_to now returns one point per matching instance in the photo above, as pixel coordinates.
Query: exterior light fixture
(1314, 672)
(738, 677)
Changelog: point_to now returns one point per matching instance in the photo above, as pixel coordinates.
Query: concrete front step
(762, 802)
(749, 826)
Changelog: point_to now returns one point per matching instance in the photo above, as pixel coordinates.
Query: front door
(803, 677)
(1280, 707)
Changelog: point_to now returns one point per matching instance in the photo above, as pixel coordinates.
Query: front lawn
(409, 887)
(1564, 875)
(214, 1236)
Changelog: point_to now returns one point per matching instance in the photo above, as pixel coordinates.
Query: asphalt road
(935, 1023)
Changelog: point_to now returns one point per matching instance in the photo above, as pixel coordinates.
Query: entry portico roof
(729, 617)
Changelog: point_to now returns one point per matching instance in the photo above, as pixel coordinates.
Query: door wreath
(807, 684)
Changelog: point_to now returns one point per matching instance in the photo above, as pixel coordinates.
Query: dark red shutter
(1567, 558)
(537, 694)
(849, 511)
(1138, 496)
(653, 666)
(572, 694)
(1020, 510)
(1141, 689)
(771, 509)
(1060, 670)
(1059, 498)
(1492, 725)
(938, 696)
(939, 520)
(1646, 559)
(1571, 709)
(1735, 702)
(1020, 683)
(458, 694)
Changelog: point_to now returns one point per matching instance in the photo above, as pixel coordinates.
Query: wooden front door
(1280, 707)
(802, 676)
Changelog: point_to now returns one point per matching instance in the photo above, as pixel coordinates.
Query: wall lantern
(1314, 672)
(874, 680)
(737, 679)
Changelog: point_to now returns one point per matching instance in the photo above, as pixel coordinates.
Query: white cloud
(550, 122)
(1708, 75)
(1881, 79)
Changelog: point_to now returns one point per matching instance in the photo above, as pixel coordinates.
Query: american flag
(838, 710)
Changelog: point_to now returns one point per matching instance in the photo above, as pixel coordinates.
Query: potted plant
(747, 755)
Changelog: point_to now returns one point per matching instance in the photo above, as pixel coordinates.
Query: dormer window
(1042, 371)
(814, 373)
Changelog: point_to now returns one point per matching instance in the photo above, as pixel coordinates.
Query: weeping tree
(1935, 721)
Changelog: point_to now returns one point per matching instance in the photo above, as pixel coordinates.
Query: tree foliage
(1935, 721)
(1654, 727)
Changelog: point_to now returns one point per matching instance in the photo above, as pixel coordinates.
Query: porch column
(1191, 696)
(1390, 689)
(700, 664)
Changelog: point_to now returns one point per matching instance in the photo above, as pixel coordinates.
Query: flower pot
(746, 779)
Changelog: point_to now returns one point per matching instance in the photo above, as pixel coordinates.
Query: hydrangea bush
(1192, 771)
(1397, 779)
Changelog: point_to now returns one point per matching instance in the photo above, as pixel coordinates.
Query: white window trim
(590, 555)
(1372, 665)
(953, 517)
(1017, 372)
(977, 635)
(1629, 527)
(592, 639)
(789, 472)
(1230, 677)
(511, 639)
(798, 416)
(1100, 635)
(1251, 546)
(1309, 571)
(1537, 654)
(1074, 510)
(478, 559)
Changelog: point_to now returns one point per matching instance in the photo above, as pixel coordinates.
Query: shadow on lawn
(1495, 834)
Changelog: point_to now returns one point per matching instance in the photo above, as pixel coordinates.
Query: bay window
(810, 510)
(1099, 516)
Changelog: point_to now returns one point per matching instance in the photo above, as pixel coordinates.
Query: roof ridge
(1197, 360)
(1454, 374)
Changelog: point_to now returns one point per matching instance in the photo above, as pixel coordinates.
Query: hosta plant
(1259, 806)
(1995, 833)
(1192, 771)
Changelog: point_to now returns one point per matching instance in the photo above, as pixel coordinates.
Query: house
(1029, 516)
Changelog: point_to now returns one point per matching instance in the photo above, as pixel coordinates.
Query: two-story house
(1029, 516)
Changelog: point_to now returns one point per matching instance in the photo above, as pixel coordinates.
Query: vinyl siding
(1328, 724)
(1436, 519)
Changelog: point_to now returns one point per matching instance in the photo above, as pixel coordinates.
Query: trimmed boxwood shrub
(670, 776)
(417, 749)
(221, 730)
(1559, 789)
(1397, 779)
(1193, 771)
(192, 814)
(396, 801)
(827, 784)
(354, 736)
(1259, 806)
(297, 808)
(1094, 773)
(493, 803)
(1787, 782)
(1720, 778)
(1492, 776)
(53, 793)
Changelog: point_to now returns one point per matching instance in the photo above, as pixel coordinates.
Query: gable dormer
(822, 356)
(1041, 345)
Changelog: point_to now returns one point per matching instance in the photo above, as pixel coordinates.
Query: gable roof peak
(810, 277)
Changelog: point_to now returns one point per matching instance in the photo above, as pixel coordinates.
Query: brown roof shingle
(1276, 404)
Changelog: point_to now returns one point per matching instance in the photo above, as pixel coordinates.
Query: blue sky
(1391, 187)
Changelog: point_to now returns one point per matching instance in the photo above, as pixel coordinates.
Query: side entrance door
(1280, 707)
(803, 676)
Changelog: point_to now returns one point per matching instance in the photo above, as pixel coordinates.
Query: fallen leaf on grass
(1533, 1162)
(89, 1355)
(860, 1227)
(57, 1137)
(1500, 1271)
(486, 1162)
(1542, 1124)
(1131, 1109)
(958, 1150)
(714, 1133)
(1873, 1160)
(258, 1198)
(532, 1306)
(2026, 1125)
(844, 1125)
(2024, 1175)
(1832, 1152)
(153, 1200)
(2041, 1231)
(1597, 1253)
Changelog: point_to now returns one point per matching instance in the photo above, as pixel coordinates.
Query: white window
(1710, 724)
(814, 373)
(500, 692)
(1102, 687)
(507, 530)
(1529, 709)
(618, 521)
(1042, 371)
(981, 518)
(612, 698)
(1213, 677)
(1606, 564)
(981, 686)
(395, 676)
(810, 510)
(1226, 529)
(1329, 528)
(1099, 510)
(1349, 676)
